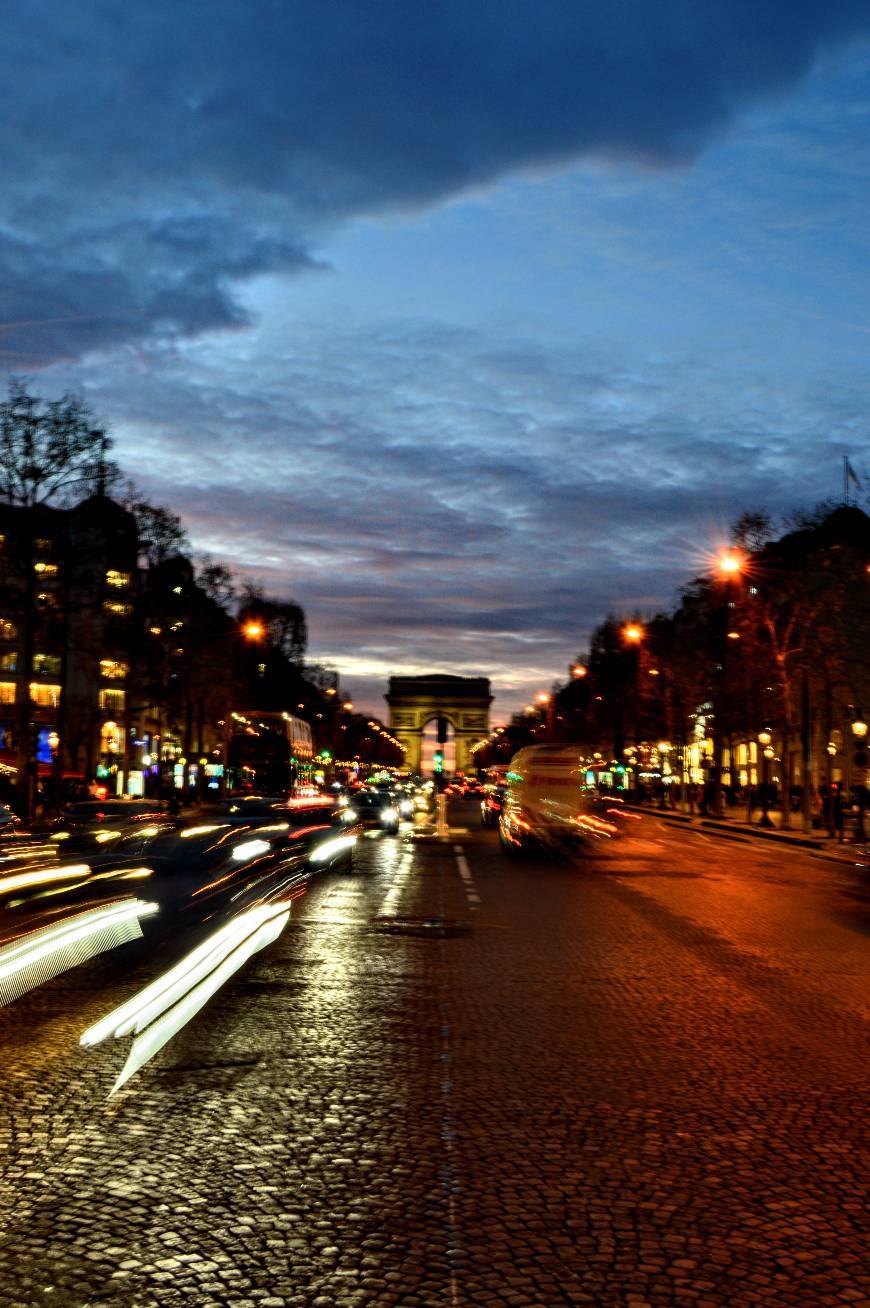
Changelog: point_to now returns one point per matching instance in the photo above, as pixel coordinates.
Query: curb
(712, 826)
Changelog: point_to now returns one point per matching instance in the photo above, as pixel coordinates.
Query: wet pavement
(464, 1079)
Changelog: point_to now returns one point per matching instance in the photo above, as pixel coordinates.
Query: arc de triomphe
(463, 701)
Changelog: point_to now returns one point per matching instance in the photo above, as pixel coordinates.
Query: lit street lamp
(859, 731)
(764, 739)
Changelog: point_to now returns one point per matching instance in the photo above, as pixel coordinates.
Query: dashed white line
(467, 879)
(388, 907)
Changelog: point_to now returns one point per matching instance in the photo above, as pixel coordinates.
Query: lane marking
(388, 907)
(467, 879)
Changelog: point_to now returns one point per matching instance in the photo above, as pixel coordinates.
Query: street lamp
(633, 633)
(729, 563)
(764, 739)
(859, 731)
(579, 670)
(253, 630)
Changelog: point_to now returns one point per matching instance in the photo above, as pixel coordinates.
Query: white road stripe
(467, 880)
(388, 907)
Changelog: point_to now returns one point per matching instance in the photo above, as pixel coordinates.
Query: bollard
(441, 827)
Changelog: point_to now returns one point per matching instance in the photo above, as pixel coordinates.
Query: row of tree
(774, 636)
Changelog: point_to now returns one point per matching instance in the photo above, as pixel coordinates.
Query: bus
(268, 753)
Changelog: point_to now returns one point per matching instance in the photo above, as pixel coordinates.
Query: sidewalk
(738, 828)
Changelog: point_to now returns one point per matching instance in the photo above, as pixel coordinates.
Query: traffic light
(439, 760)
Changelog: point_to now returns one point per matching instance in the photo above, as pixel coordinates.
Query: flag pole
(846, 480)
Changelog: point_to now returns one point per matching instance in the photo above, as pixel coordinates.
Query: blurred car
(547, 804)
(491, 805)
(92, 814)
(315, 822)
(373, 810)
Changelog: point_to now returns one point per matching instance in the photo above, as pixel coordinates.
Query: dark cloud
(154, 155)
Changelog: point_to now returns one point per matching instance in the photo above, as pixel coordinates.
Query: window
(44, 696)
(8, 629)
(7, 692)
(46, 665)
(43, 544)
(117, 579)
(110, 738)
(46, 600)
(117, 609)
(113, 700)
(44, 569)
(113, 670)
(8, 662)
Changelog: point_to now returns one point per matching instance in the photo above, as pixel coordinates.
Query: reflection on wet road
(457, 1078)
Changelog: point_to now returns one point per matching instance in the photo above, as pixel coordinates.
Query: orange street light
(729, 563)
(542, 697)
(579, 670)
(347, 705)
(633, 633)
(253, 631)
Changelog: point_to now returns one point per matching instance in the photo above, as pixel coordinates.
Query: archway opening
(430, 746)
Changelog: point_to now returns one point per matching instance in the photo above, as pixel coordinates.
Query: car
(491, 805)
(92, 814)
(319, 822)
(547, 804)
(373, 810)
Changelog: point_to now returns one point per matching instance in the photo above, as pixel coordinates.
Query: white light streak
(40, 955)
(155, 1014)
(329, 848)
(250, 849)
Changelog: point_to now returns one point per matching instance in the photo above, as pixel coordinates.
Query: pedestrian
(837, 811)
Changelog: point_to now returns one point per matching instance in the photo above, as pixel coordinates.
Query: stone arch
(463, 701)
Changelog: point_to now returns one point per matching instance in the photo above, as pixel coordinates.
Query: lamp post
(765, 738)
(548, 708)
(859, 773)
(729, 566)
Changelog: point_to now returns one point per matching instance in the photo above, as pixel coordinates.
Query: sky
(463, 323)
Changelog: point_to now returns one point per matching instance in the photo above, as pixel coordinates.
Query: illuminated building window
(117, 608)
(112, 699)
(46, 665)
(113, 670)
(110, 738)
(7, 692)
(117, 579)
(44, 544)
(46, 600)
(45, 569)
(44, 696)
(8, 662)
(8, 629)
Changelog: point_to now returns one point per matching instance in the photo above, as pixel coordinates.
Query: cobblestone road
(641, 1079)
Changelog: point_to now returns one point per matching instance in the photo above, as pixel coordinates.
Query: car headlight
(390, 814)
(349, 815)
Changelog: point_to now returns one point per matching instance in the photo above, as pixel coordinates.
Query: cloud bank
(155, 156)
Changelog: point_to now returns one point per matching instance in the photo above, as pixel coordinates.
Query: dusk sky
(463, 323)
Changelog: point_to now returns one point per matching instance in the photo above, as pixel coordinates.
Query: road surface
(463, 1079)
